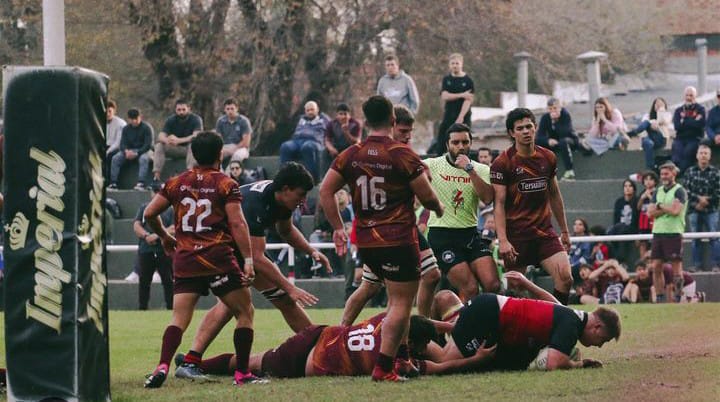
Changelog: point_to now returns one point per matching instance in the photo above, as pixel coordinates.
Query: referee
(460, 183)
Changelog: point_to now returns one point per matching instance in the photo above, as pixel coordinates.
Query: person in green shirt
(668, 208)
(463, 255)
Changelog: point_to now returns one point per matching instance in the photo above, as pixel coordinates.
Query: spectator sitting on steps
(236, 132)
(135, 142)
(658, 125)
(689, 122)
(607, 130)
(308, 140)
(174, 139)
(712, 126)
(556, 132)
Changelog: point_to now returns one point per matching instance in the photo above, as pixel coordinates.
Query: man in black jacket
(135, 142)
(556, 132)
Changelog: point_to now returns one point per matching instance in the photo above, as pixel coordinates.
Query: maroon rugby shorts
(288, 360)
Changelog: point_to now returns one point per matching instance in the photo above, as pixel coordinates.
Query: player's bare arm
(558, 360)
(152, 216)
(557, 205)
(241, 235)
(517, 280)
(296, 239)
(330, 185)
(484, 190)
(482, 355)
(272, 273)
(507, 251)
(426, 195)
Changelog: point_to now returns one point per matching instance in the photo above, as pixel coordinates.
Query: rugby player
(209, 225)
(341, 350)
(521, 328)
(265, 203)
(384, 177)
(460, 183)
(527, 195)
(429, 271)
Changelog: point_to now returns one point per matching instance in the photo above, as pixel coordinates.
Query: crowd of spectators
(600, 269)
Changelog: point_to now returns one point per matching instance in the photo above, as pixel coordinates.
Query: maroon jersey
(527, 179)
(204, 243)
(349, 350)
(379, 171)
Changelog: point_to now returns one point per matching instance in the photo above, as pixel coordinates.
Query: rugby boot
(157, 378)
(248, 378)
(191, 371)
(406, 368)
(383, 376)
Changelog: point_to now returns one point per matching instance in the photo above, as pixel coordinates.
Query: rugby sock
(193, 357)
(403, 353)
(219, 365)
(385, 362)
(170, 342)
(243, 339)
(561, 296)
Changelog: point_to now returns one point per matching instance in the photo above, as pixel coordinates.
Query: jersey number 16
(370, 193)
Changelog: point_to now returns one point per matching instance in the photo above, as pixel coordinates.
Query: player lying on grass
(265, 204)
(521, 328)
(343, 351)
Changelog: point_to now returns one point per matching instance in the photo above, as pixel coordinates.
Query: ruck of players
(485, 319)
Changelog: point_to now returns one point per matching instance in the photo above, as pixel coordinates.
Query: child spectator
(600, 251)
(610, 279)
(586, 291)
(640, 287)
(580, 252)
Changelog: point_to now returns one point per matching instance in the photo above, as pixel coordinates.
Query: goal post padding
(56, 318)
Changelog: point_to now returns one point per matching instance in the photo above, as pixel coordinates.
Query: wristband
(248, 261)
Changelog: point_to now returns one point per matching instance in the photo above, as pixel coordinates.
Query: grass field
(667, 352)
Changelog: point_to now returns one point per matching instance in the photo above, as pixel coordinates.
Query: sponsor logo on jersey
(458, 200)
(372, 151)
(455, 179)
(533, 185)
(519, 170)
(496, 175)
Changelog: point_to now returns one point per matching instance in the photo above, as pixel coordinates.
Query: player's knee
(445, 297)
(431, 277)
(492, 287)
(470, 290)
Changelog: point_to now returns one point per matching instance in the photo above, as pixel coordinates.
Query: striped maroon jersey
(204, 242)
(379, 171)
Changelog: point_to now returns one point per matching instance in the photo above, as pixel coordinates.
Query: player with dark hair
(209, 225)
(384, 177)
(429, 271)
(321, 350)
(265, 203)
(461, 184)
(527, 195)
(521, 329)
